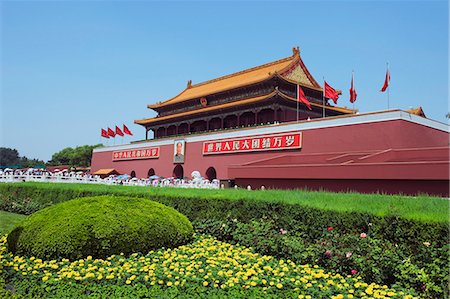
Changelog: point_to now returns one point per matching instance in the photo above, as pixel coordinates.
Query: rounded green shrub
(99, 226)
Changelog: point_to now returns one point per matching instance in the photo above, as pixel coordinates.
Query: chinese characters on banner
(251, 144)
(132, 154)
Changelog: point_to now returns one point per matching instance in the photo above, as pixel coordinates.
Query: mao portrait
(178, 151)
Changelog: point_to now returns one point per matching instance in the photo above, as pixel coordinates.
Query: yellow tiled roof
(417, 111)
(206, 109)
(105, 171)
(243, 78)
(233, 104)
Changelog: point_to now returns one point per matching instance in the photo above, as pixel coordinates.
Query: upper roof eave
(209, 108)
(276, 67)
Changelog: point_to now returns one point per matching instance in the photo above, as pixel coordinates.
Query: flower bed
(206, 264)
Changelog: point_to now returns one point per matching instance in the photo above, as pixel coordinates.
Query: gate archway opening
(178, 172)
(211, 174)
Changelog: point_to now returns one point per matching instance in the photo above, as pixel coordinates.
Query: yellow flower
(169, 283)
(45, 278)
(279, 285)
(205, 283)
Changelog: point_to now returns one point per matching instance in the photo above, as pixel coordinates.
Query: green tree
(33, 163)
(9, 156)
(79, 156)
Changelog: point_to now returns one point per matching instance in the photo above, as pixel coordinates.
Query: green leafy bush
(423, 269)
(98, 227)
(21, 205)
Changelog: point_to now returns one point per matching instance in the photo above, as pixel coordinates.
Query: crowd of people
(67, 176)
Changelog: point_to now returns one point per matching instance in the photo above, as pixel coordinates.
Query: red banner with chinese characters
(139, 153)
(252, 144)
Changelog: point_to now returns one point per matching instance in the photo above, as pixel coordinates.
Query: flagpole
(297, 99)
(388, 88)
(323, 98)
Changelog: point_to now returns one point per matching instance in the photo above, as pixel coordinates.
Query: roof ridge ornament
(189, 84)
(295, 51)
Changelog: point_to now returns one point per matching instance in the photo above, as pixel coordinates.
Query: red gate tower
(248, 128)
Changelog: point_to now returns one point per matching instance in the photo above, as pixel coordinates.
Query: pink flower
(283, 231)
(328, 253)
(330, 228)
(363, 235)
(353, 272)
(348, 255)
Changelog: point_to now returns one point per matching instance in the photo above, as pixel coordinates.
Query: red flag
(352, 93)
(111, 133)
(330, 92)
(119, 131)
(386, 81)
(302, 98)
(126, 131)
(104, 133)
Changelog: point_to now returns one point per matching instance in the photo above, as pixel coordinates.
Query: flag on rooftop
(127, 131)
(111, 133)
(353, 94)
(119, 131)
(302, 98)
(104, 133)
(330, 92)
(386, 81)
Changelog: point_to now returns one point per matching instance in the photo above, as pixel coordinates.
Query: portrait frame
(179, 151)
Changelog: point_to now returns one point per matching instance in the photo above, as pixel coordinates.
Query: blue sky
(70, 68)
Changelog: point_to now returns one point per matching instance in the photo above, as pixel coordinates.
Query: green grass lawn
(8, 220)
(423, 208)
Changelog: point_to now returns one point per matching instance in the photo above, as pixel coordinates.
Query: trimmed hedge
(290, 216)
(99, 227)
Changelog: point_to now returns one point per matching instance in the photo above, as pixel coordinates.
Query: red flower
(330, 228)
(353, 271)
(363, 235)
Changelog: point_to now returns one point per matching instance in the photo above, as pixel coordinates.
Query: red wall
(361, 137)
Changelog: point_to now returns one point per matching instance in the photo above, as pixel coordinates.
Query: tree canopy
(79, 156)
(10, 157)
